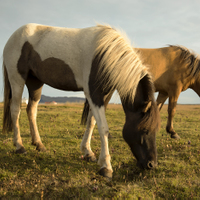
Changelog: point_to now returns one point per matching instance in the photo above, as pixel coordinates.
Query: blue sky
(148, 24)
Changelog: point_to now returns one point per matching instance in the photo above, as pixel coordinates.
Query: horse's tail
(85, 113)
(119, 65)
(7, 121)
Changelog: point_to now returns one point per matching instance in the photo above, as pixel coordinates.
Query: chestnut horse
(89, 60)
(174, 69)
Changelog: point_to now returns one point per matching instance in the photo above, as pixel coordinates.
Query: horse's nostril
(150, 164)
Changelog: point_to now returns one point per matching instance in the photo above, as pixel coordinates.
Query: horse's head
(142, 123)
(140, 133)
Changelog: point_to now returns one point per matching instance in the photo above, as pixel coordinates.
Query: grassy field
(60, 173)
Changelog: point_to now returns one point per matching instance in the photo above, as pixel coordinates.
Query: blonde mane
(119, 65)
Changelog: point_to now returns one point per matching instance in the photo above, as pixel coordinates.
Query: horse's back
(68, 47)
(158, 60)
(48, 40)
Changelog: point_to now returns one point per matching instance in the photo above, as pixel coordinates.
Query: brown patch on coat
(34, 86)
(52, 71)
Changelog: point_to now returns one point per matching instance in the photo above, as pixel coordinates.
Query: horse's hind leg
(17, 90)
(34, 88)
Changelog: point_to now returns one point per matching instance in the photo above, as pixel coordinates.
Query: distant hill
(61, 99)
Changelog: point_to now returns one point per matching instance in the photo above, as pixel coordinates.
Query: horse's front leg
(161, 99)
(104, 157)
(85, 144)
(171, 113)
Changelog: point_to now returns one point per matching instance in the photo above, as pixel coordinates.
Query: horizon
(166, 103)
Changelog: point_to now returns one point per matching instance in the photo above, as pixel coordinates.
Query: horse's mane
(191, 59)
(119, 65)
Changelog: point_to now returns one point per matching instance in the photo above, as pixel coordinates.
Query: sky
(147, 23)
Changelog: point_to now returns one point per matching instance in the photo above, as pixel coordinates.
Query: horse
(89, 60)
(174, 69)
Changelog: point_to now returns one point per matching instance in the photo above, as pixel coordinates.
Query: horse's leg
(104, 158)
(17, 90)
(171, 112)
(161, 99)
(85, 144)
(106, 101)
(35, 88)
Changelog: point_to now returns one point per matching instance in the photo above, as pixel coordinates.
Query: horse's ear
(148, 105)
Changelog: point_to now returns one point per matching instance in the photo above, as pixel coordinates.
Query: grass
(60, 173)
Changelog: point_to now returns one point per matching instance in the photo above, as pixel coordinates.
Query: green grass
(60, 173)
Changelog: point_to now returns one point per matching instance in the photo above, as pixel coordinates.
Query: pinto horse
(89, 60)
(174, 69)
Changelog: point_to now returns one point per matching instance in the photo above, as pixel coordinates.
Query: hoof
(41, 148)
(175, 136)
(90, 158)
(105, 173)
(21, 150)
